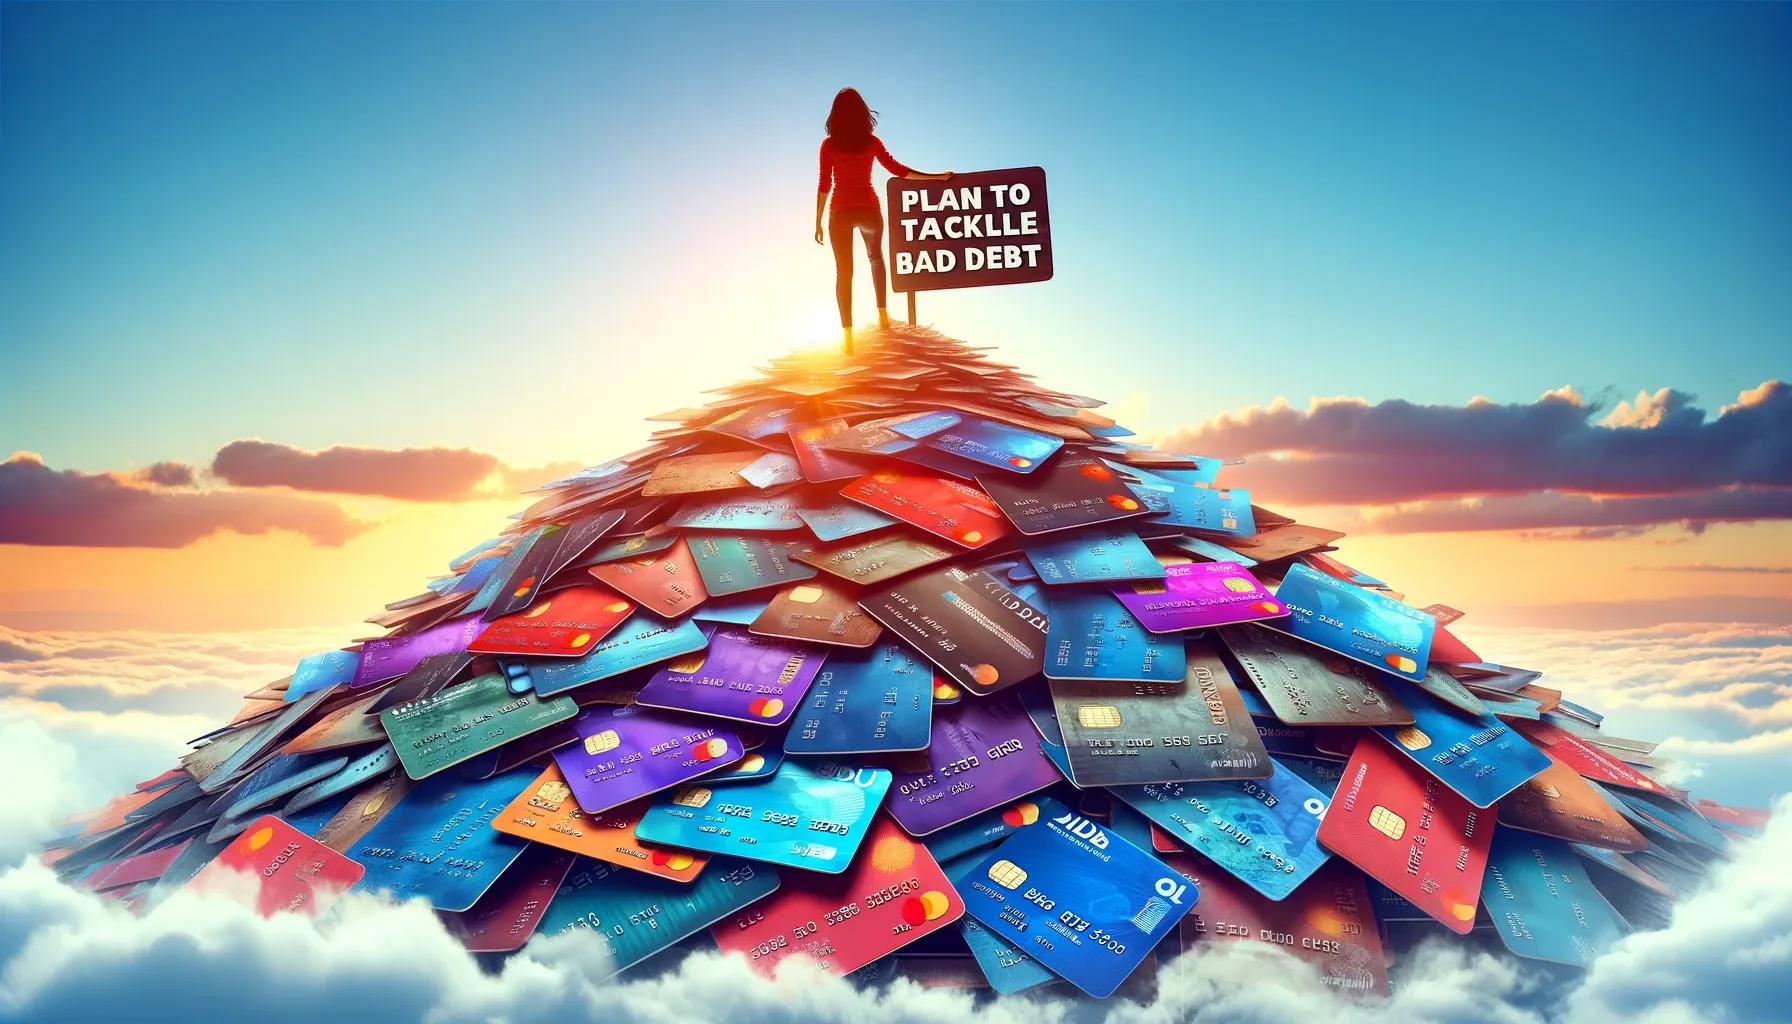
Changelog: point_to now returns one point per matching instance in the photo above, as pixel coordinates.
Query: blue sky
(401, 224)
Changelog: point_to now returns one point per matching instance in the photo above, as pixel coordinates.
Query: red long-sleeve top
(849, 174)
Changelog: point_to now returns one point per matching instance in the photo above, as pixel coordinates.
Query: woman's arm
(821, 204)
(924, 176)
(900, 169)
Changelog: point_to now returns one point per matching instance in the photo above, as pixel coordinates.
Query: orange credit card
(1558, 802)
(666, 583)
(700, 474)
(564, 624)
(960, 512)
(546, 812)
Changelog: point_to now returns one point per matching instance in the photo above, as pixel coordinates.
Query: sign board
(975, 229)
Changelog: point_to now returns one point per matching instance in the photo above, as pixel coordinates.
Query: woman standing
(846, 156)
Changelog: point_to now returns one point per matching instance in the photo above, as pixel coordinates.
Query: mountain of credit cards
(904, 664)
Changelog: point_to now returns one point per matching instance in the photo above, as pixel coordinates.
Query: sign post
(972, 230)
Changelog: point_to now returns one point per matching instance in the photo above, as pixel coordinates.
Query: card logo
(1083, 829)
(1150, 915)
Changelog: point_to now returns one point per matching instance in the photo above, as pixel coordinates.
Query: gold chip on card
(1007, 874)
(1387, 822)
(600, 742)
(1098, 716)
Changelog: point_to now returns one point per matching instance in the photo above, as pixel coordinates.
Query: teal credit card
(637, 915)
(811, 815)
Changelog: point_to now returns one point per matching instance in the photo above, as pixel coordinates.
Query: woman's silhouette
(846, 156)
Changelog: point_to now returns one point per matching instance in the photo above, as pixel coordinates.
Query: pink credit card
(1197, 595)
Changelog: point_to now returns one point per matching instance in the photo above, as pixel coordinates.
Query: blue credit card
(1085, 903)
(1264, 831)
(876, 700)
(1008, 969)
(762, 763)
(735, 609)
(1322, 774)
(980, 830)
(1210, 551)
(997, 444)
(1542, 902)
(811, 815)
(839, 519)
(1254, 702)
(755, 514)
(643, 639)
(476, 575)
(320, 672)
(1130, 825)
(348, 777)
(1478, 756)
(1688, 822)
(1090, 635)
(636, 915)
(1092, 556)
(1175, 503)
(494, 584)
(1362, 625)
(438, 843)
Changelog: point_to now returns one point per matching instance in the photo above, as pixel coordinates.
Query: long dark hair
(851, 121)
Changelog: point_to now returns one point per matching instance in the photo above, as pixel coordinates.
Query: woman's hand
(818, 234)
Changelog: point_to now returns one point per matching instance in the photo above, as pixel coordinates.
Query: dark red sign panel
(980, 228)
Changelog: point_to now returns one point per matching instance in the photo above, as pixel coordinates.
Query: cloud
(168, 474)
(1708, 567)
(1655, 459)
(409, 474)
(42, 506)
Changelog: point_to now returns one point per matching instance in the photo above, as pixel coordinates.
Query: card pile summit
(904, 664)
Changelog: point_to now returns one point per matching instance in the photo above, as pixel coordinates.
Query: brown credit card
(978, 631)
(1283, 541)
(1073, 490)
(546, 813)
(364, 811)
(700, 474)
(666, 584)
(347, 726)
(818, 612)
(1558, 802)
(874, 560)
(1327, 922)
(1308, 685)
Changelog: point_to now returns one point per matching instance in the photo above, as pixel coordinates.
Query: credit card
(1558, 802)
(352, 775)
(1542, 902)
(761, 421)
(1410, 832)
(699, 474)
(287, 871)
(363, 811)
(879, 700)
(741, 676)
(280, 776)
(320, 672)
(1585, 758)
(1092, 556)
(1328, 922)
(981, 830)
(758, 514)
(641, 641)
(739, 610)
(438, 843)
(1478, 756)
(947, 508)
(733, 564)
(773, 469)
(1263, 831)
(525, 580)
(546, 814)
(820, 612)
(638, 546)
(392, 656)
(760, 763)
(581, 537)
(1008, 969)
(1000, 445)
(839, 519)
(894, 894)
(1086, 904)
(1207, 550)
(872, 561)
(978, 631)
(1275, 543)
(431, 676)
(636, 915)
(984, 754)
(666, 584)
(627, 752)
(467, 720)
(1308, 685)
(563, 624)
(811, 815)
(1194, 729)
(1177, 503)
(1362, 625)
(346, 727)
(1074, 490)
(510, 910)
(820, 464)
(1196, 595)
(1091, 635)
(216, 769)
(494, 583)
(1322, 774)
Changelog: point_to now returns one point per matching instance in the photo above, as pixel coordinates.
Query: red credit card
(1327, 922)
(131, 870)
(1410, 832)
(1446, 648)
(1585, 758)
(1163, 842)
(278, 868)
(504, 918)
(893, 894)
(952, 509)
(564, 624)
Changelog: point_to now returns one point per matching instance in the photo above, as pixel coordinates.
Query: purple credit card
(984, 753)
(741, 675)
(1198, 595)
(393, 656)
(625, 752)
